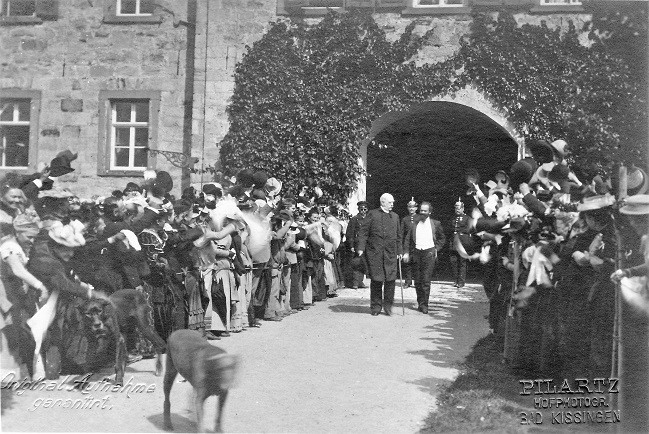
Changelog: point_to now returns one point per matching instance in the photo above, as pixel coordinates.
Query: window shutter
(391, 3)
(47, 9)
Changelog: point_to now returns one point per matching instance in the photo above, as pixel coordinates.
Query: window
(19, 8)
(16, 12)
(435, 7)
(437, 3)
(18, 128)
(131, 12)
(129, 130)
(134, 8)
(129, 135)
(558, 6)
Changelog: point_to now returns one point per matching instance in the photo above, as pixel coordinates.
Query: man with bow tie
(425, 238)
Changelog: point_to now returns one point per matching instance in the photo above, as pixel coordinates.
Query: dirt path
(333, 368)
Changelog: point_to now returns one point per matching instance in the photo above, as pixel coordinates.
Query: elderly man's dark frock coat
(380, 239)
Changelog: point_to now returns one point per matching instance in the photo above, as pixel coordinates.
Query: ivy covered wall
(305, 95)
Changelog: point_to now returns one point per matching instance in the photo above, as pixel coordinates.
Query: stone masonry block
(71, 105)
(71, 131)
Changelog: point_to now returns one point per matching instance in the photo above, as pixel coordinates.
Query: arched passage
(425, 151)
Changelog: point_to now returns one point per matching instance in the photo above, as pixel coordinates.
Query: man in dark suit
(380, 239)
(406, 224)
(351, 239)
(425, 238)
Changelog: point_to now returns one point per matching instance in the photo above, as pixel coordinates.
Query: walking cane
(403, 309)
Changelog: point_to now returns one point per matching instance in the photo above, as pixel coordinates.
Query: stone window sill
(437, 11)
(115, 19)
(557, 9)
(19, 21)
(318, 12)
(122, 173)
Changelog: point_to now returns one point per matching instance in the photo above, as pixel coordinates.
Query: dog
(106, 324)
(209, 369)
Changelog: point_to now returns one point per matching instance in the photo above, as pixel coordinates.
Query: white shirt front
(424, 235)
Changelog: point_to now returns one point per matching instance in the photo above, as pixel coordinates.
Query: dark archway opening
(425, 154)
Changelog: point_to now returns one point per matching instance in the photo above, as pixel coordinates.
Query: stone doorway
(425, 152)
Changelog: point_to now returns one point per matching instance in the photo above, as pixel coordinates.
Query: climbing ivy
(305, 96)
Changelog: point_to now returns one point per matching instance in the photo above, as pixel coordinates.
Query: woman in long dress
(17, 299)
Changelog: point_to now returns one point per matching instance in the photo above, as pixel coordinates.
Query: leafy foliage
(305, 96)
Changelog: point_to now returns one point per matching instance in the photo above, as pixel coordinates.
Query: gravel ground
(332, 368)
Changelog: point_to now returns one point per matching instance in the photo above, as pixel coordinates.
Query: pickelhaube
(412, 202)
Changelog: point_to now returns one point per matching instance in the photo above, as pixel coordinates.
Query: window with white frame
(128, 128)
(15, 132)
(129, 134)
(561, 2)
(18, 8)
(135, 8)
(436, 3)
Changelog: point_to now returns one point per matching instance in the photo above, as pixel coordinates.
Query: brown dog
(209, 369)
(127, 310)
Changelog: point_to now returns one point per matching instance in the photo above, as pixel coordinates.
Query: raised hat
(542, 151)
(163, 179)
(637, 181)
(212, 189)
(273, 186)
(69, 235)
(245, 178)
(596, 202)
(60, 166)
(522, 171)
(259, 178)
(636, 205)
(560, 148)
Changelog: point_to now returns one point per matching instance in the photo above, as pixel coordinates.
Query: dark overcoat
(380, 239)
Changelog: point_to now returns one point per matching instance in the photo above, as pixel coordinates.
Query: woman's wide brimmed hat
(593, 203)
(273, 186)
(636, 205)
(69, 235)
(637, 181)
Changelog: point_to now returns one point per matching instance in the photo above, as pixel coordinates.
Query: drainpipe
(190, 57)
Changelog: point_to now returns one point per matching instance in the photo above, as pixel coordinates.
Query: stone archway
(469, 104)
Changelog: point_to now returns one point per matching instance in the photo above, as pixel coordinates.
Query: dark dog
(127, 309)
(209, 369)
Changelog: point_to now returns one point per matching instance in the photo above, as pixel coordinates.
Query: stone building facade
(120, 80)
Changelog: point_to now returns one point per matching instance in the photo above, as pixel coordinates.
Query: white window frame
(34, 99)
(132, 126)
(14, 122)
(442, 4)
(7, 3)
(138, 4)
(106, 137)
(560, 3)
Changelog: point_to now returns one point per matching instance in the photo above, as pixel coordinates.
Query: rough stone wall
(230, 25)
(71, 59)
